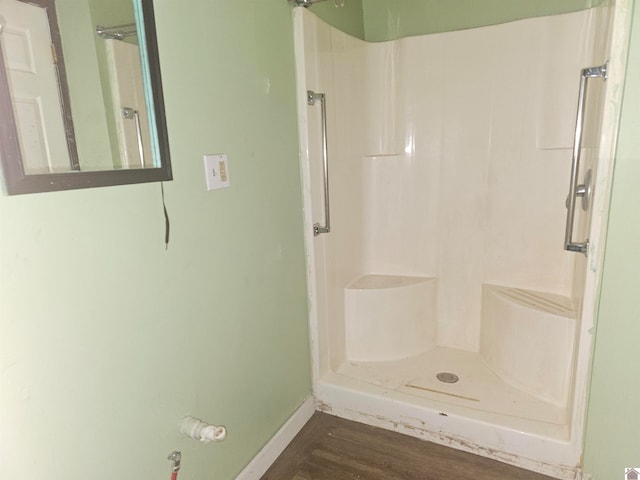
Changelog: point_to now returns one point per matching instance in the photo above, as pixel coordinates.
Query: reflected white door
(27, 48)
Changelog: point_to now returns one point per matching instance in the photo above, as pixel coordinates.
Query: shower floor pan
(478, 394)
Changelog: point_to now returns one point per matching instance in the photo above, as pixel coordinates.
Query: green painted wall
(613, 424)
(386, 20)
(349, 18)
(379, 20)
(78, 32)
(107, 339)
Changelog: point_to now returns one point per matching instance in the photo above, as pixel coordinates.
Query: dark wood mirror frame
(18, 182)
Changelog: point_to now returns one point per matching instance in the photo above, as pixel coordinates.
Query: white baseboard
(272, 450)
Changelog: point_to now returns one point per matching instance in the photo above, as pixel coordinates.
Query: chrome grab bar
(129, 113)
(312, 97)
(574, 188)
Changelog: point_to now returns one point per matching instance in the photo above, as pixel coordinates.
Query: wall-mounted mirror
(81, 100)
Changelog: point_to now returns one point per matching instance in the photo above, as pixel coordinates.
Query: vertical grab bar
(312, 97)
(574, 188)
(129, 113)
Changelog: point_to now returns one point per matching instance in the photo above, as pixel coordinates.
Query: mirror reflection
(83, 109)
(80, 85)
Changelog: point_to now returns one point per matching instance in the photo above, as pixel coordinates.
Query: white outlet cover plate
(216, 171)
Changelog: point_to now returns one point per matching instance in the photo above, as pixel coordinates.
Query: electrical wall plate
(216, 170)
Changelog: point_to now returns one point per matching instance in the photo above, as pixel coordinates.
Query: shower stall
(444, 303)
(126, 89)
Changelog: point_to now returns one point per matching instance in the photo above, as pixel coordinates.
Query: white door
(27, 49)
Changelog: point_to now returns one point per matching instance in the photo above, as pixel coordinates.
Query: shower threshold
(478, 393)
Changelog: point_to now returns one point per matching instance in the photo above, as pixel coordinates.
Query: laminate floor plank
(331, 448)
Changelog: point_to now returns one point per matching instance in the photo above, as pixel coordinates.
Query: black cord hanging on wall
(167, 225)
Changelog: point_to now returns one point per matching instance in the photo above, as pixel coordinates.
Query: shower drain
(447, 377)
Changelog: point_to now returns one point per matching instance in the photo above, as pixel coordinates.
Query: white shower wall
(449, 161)
(450, 158)
(127, 89)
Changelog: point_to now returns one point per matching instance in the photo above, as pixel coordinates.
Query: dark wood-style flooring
(331, 448)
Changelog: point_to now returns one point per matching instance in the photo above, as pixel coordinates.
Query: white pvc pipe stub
(198, 430)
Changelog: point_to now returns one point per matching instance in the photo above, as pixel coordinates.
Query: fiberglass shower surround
(449, 158)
